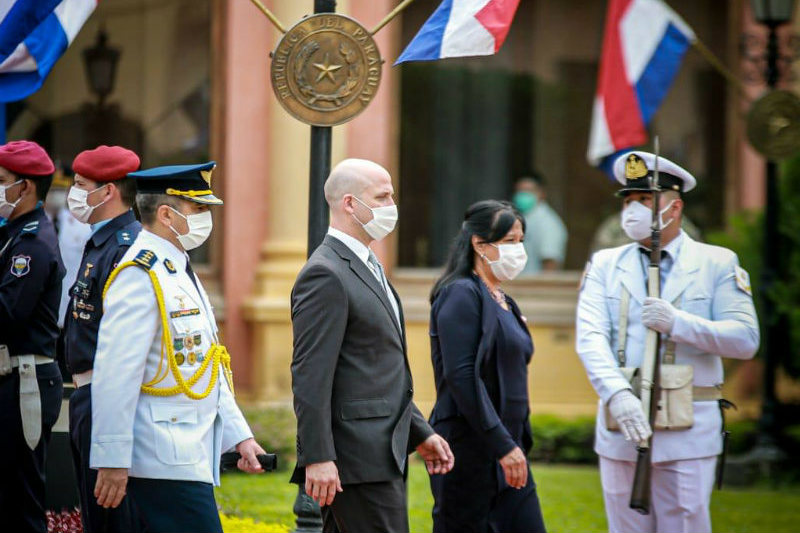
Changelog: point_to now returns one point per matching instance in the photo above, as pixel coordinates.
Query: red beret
(105, 163)
(26, 157)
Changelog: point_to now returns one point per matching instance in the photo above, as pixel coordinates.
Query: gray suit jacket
(350, 375)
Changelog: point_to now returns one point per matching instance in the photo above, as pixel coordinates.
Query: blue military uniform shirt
(30, 284)
(102, 253)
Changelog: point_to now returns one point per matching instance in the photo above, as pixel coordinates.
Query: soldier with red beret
(31, 273)
(102, 196)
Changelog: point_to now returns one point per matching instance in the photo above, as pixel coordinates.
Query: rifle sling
(699, 394)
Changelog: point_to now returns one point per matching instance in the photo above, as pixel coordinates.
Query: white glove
(658, 314)
(627, 410)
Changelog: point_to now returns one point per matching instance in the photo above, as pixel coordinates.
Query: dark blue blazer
(102, 253)
(463, 329)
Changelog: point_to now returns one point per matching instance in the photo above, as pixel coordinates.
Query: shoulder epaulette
(145, 259)
(124, 237)
(31, 228)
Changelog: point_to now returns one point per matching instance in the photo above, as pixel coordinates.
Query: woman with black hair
(480, 349)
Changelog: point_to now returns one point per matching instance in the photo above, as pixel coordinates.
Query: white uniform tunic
(716, 319)
(171, 437)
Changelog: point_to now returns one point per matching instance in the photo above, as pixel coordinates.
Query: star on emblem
(326, 70)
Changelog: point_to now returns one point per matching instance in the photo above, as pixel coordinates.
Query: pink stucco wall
(247, 40)
(373, 134)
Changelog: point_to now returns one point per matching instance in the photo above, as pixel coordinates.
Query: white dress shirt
(362, 252)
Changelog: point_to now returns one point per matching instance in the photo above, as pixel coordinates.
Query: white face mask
(510, 263)
(6, 207)
(637, 220)
(200, 225)
(383, 220)
(77, 201)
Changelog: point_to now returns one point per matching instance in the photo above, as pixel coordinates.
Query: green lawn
(570, 497)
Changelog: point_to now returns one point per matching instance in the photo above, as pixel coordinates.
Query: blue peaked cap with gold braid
(192, 182)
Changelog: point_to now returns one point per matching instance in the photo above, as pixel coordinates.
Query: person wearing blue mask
(546, 238)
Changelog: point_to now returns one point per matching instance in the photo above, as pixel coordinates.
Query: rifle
(650, 371)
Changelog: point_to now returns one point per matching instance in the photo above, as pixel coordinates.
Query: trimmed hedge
(562, 440)
(274, 427)
(555, 439)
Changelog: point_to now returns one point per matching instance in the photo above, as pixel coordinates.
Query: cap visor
(208, 199)
(627, 190)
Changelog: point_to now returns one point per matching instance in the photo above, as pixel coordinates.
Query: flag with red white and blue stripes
(643, 48)
(33, 36)
(460, 28)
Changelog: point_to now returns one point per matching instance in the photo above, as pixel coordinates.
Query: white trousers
(681, 494)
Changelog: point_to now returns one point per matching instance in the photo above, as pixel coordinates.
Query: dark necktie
(190, 272)
(645, 252)
(665, 266)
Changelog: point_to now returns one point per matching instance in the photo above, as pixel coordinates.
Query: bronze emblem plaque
(773, 125)
(326, 69)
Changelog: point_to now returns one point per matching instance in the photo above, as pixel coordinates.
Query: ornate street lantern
(101, 67)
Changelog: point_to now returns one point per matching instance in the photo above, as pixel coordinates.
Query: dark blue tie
(190, 272)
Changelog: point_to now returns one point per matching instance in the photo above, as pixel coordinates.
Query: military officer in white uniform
(705, 313)
(163, 409)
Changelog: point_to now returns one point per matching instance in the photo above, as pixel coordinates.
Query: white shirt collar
(162, 248)
(674, 246)
(356, 246)
(672, 249)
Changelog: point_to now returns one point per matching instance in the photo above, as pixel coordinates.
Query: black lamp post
(771, 13)
(101, 67)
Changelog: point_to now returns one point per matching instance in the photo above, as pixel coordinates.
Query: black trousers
(95, 519)
(22, 488)
(168, 506)
(380, 507)
(473, 497)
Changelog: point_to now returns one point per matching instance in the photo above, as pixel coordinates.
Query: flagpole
(715, 62)
(272, 18)
(396, 11)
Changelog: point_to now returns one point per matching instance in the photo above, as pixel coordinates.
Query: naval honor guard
(102, 196)
(705, 313)
(163, 409)
(30, 291)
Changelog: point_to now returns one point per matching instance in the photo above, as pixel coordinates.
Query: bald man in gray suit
(356, 421)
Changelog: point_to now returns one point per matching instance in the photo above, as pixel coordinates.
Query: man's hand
(248, 449)
(658, 314)
(437, 455)
(515, 468)
(627, 410)
(110, 487)
(322, 482)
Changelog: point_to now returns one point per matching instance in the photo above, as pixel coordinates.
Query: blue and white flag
(33, 36)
